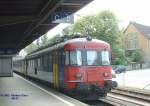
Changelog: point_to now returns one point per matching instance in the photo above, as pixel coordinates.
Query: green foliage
(68, 31)
(121, 58)
(44, 40)
(30, 48)
(135, 56)
(55, 38)
(86, 25)
(103, 26)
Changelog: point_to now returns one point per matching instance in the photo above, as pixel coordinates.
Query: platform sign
(62, 17)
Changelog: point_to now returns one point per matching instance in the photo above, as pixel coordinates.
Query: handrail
(146, 86)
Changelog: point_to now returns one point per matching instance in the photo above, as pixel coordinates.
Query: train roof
(77, 40)
(18, 58)
(61, 44)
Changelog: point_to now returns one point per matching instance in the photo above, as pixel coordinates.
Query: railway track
(115, 101)
(124, 97)
(135, 93)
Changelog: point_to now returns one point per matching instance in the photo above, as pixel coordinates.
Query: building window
(132, 41)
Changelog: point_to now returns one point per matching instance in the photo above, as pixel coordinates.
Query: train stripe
(55, 75)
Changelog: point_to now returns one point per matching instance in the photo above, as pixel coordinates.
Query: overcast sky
(125, 10)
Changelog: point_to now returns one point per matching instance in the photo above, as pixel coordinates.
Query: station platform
(17, 91)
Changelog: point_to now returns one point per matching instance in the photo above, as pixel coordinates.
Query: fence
(136, 66)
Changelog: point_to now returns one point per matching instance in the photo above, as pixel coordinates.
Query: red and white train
(79, 67)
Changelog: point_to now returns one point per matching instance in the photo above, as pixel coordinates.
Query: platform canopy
(23, 21)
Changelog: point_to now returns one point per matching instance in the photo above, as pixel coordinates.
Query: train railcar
(79, 67)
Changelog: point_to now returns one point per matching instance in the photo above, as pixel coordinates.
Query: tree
(103, 26)
(38, 43)
(68, 30)
(30, 48)
(44, 40)
(86, 25)
(120, 57)
(54, 39)
(135, 56)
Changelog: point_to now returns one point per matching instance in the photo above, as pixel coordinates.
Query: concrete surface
(135, 78)
(16, 91)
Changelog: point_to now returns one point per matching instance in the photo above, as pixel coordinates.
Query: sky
(125, 11)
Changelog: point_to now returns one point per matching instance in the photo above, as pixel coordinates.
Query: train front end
(87, 68)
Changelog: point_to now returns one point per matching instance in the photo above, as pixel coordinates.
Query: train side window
(50, 59)
(63, 58)
(38, 62)
(59, 56)
(67, 58)
(46, 62)
(41, 63)
(31, 63)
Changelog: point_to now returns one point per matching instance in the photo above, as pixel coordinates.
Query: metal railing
(146, 86)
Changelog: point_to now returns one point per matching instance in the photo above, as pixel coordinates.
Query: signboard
(62, 17)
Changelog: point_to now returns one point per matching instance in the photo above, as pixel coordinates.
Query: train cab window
(75, 58)
(105, 57)
(92, 57)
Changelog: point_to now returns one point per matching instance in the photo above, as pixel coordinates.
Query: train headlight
(78, 75)
(106, 74)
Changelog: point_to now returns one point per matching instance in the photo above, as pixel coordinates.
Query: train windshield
(105, 57)
(92, 58)
(98, 57)
(75, 58)
(88, 57)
